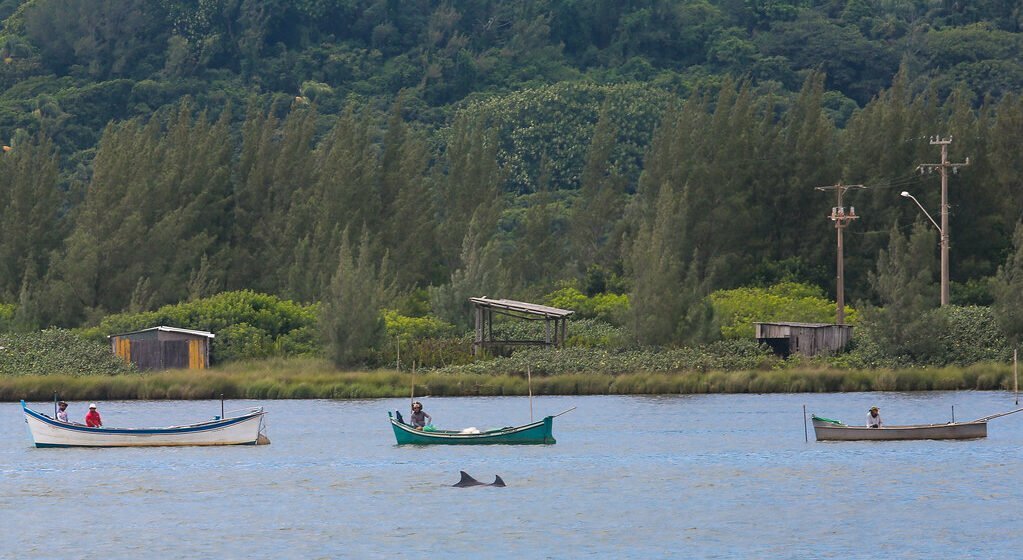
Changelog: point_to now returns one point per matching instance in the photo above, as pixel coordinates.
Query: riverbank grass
(307, 378)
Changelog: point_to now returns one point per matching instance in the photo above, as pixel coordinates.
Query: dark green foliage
(162, 152)
(905, 283)
(1007, 289)
(30, 215)
(351, 318)
(98, 39)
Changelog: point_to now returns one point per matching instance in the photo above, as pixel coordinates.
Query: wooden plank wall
(122, 348)
(146, 354)
(166, 354)
(197, 354)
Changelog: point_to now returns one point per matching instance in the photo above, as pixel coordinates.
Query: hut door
(196, 354)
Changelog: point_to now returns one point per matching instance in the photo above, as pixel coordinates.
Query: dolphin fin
(498, 481)
(466, 481)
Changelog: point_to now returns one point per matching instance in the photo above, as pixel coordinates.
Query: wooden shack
(555, 322)
(808, 339)
(164, 348)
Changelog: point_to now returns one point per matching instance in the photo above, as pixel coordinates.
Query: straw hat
(873, 408)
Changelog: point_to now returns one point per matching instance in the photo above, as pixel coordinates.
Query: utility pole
(841, 219)
(943, 168)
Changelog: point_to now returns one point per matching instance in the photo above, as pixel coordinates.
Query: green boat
(536, 433)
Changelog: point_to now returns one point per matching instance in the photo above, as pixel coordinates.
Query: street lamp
(944, 247)
(907, 195)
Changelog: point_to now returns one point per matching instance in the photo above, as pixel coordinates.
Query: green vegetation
(738, 309)
(56, 352)
(247, 325)
(306, 379)
(328, 179)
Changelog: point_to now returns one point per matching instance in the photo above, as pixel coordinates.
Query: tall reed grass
(304, 378)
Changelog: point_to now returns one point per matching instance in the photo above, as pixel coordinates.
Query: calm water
(718, 476)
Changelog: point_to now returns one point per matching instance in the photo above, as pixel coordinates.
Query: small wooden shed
(164, 348)
(808, 339)
(555, 322)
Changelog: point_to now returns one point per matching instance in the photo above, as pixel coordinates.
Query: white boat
(245, 428)
(827, 429)
(831, 430)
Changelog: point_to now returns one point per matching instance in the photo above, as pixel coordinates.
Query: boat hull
(536, 433)
(239, 430)
(828, 431)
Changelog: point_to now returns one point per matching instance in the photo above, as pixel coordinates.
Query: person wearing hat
(419, 417)
(92, 419)
(62, 412)
(873, 418)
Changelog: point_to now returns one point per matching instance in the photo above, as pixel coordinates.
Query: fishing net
(828, 420)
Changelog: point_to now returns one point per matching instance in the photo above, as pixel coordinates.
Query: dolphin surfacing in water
(468, 481)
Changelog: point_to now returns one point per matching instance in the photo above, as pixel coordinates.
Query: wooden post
(529, 384)
(1015, 374)
(806, 434)
(478, 339)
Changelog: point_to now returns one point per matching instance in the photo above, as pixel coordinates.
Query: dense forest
(405, 155)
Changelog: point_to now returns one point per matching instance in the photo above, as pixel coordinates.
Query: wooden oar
(563, 412)
(529, 383)
(1000, 414)
(412, 394)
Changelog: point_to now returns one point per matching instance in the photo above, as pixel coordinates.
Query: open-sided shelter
(555, 328)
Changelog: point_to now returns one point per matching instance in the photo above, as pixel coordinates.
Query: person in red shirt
(92, 419)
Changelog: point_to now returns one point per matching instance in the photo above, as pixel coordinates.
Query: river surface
(707, 476)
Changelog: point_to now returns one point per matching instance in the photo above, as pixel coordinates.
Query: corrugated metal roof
(791, 324)
(167, 329)
(522, 307)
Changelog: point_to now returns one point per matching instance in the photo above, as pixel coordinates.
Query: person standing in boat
(873, 418)
(92, 419)
(62, 412)
(419, 418)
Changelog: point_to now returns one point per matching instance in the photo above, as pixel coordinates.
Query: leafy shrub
(605, 306)
(590, 333)
(7, 316)
(426, 341)
(738, 309)
(407, 329)
(57, 352)
(727, 355)
(971, 336)
(247, 324)
(950, 335)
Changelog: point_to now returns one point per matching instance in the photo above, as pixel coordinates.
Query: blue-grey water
(709, 476)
